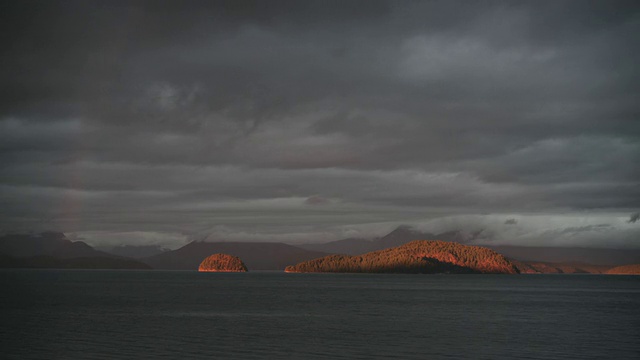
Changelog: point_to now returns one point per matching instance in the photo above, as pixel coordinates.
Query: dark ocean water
(59, 314)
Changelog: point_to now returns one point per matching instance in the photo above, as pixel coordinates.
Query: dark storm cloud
(634, 217)
(199, 109)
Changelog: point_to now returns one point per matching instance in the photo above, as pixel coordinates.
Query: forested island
(222, 263)
(416, 257)
(633, 269)
(53, 250)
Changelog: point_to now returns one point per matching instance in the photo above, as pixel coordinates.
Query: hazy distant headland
(52, 250)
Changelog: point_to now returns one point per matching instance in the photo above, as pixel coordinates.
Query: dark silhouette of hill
(533, 267)
(351, 246)
(49, 262)
(54, 250)
(569, 255)
(52, 244)
(399, 236)
(257, 256)
(633, 269)
(222, 263)
(133, 251)
(421, 256)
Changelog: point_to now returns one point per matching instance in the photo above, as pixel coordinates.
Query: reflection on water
(49, 314)
(213, 314)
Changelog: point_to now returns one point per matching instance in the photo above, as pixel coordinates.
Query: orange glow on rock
(222, 263)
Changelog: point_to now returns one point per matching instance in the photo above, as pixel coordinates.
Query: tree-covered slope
(420, 256)
(633, 269)
(222, 263)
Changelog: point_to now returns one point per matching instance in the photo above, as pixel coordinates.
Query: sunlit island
(416, 257)
(633, 269)
(222, 263)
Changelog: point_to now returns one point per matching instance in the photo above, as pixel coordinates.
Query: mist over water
(57, 314)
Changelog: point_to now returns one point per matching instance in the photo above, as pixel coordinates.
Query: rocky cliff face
(222, 263)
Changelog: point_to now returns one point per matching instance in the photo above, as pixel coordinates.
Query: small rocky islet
(222, 263)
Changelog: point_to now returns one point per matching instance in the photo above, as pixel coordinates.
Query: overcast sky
(162, 122)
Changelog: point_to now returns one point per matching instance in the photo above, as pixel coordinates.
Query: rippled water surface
(59, 314)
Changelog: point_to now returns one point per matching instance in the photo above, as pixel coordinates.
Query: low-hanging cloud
(175, 118)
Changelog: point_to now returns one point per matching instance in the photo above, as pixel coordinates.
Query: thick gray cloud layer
(306, 119)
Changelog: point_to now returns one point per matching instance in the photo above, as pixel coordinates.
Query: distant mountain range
(54, 250)
(257, 256)
(399, 236)
(54, 244)
(570, 255)
(133, 251)
(404, 234)
(538, 267)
